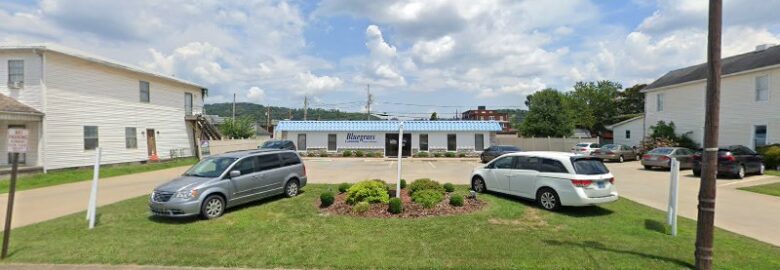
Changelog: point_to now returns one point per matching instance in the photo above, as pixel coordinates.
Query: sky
(417, 56)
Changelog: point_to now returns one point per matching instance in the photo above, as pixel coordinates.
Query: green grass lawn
(772, 172)
(508, 234)
(768, 189)
(75, 175)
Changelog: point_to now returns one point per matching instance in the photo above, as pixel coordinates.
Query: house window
(628, 134)
(759, 136)
(762, 88)
(22, 156)
(187, 103)
(144, 90)
(479, 142)
(423, 142)
(659, 105)
(90, 137)
(452, 142)
(331, 142)
(301, 141)
(131, 138)
(15, 72)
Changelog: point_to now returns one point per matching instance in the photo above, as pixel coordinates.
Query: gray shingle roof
(729, 65)
(10, 105)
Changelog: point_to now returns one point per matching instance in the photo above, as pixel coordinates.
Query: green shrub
(343, 187)
(403, 183)
(422, 154)
(346, 153)
(456, 200)
(323, 154)
(428, 198)
(462, 155)
(311, 154)
(449, 154)
(326, 199)
(361, 207)
(449, 187)
(372, 191)
(437, 154)
(359, 153)
(423, 184)
(396, 206)
(771, 155)
(369, 154)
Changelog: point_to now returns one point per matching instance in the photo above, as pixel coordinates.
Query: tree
(547, 115)
(592, 104)
(241, 128)
(631, 100)
(434, 117)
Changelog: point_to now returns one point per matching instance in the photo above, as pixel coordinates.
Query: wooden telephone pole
(706, 219)
(369, 101)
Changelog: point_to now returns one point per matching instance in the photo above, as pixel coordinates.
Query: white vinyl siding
(629, 133)
(762, 88)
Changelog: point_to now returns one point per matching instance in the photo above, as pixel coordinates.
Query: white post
(91, 208)
(673, 189)
(400, 149)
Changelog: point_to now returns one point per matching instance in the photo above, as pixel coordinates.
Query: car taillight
(612, 180)
(727, 157)
(697, 157)
(645, 156)
(664, 158)
(304, 170)
(581, 183)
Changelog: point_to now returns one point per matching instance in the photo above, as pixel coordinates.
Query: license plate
(600, 184)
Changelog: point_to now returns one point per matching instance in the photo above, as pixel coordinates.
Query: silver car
(616, 152)
(662, 157)
(226, 180)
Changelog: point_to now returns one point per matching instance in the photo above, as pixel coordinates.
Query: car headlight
(186, 194)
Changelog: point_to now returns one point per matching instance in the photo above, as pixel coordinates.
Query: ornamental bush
(422, 154)
(311, 154)
(323, 154)
(346, 153)
(462, 155)
(456, 200)
(396, 206)
(449, 187)
(326, 199)
(343, 187)
(361, 207)
(423, 184)
(437, 154)
(359, 153)
(371, 191)
(771, 155)
(428, 198)
(449, 154)
(403, 183)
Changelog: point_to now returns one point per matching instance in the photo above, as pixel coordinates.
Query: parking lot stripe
(431, 163)
(754, 179)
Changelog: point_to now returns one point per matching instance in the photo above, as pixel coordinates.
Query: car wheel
(648, 167)
(478, 185)
(213, 207)
(291, 189)
(741, 172)
(620, 159)
(548, 199)
(761, 169)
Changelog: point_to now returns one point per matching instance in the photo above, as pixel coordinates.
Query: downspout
(43, 134)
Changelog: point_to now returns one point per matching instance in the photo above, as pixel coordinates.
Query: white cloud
(313, 84)
(434, 50)
(255, 94)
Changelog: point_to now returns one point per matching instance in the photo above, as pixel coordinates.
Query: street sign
(17, 140)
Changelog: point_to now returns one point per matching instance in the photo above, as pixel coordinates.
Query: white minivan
(553, 179)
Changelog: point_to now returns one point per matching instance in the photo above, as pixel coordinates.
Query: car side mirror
(235, 174)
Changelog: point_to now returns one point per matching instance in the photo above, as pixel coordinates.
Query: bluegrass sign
(17, 140)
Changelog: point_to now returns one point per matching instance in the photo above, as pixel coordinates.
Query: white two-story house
(749, 99)
(73, 102)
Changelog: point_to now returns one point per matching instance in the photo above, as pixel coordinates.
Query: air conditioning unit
(15, 85)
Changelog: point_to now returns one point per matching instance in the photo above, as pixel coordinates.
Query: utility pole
(305, 107)
(289, 114)
(705, 222)
(268, 119)
(234, 107)
(369, 101)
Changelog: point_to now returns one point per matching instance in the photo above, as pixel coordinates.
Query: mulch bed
(411, 209)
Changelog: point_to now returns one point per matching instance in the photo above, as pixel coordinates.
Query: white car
(553, 179)
(584, 148)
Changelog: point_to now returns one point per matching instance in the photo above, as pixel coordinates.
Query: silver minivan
(227, 180)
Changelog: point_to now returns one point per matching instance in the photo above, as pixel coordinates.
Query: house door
(391, 145)
(151, 142)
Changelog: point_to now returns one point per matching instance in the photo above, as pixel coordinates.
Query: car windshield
(661, 151)
(210, 167)
(273, 144)
(583, 144)
(610, 146)
(589, 167)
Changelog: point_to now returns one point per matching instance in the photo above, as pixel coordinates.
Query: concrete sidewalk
(41, 204)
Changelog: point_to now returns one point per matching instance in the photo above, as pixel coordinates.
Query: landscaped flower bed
(422, 198)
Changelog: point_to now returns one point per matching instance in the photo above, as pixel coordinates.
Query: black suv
(278, 144)
(733, 160)
(497, 150)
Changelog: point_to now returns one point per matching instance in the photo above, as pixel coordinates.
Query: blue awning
(388, 126)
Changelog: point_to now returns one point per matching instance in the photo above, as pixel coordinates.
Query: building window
(659, 102)
(90, 137)
(301, 141)
(479, 142)
(423, 142)
(131, 138)
(331, 142)
(762, 88)
(15, 72)
(759, 136)
(452, 142)
(144, 89)
(22, 156)
(187, 103)
(628, 134)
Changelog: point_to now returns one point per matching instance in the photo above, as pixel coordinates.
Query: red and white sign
(17, 140)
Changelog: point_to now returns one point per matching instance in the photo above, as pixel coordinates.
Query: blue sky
(449, 53)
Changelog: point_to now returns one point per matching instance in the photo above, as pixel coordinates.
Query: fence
(222, 146)
(543, 143)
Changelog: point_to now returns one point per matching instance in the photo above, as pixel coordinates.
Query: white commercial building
(749, 99)
(468, 137)
(73, 102)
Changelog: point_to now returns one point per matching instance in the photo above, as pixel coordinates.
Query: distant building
(482, 114)
(629, 132)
